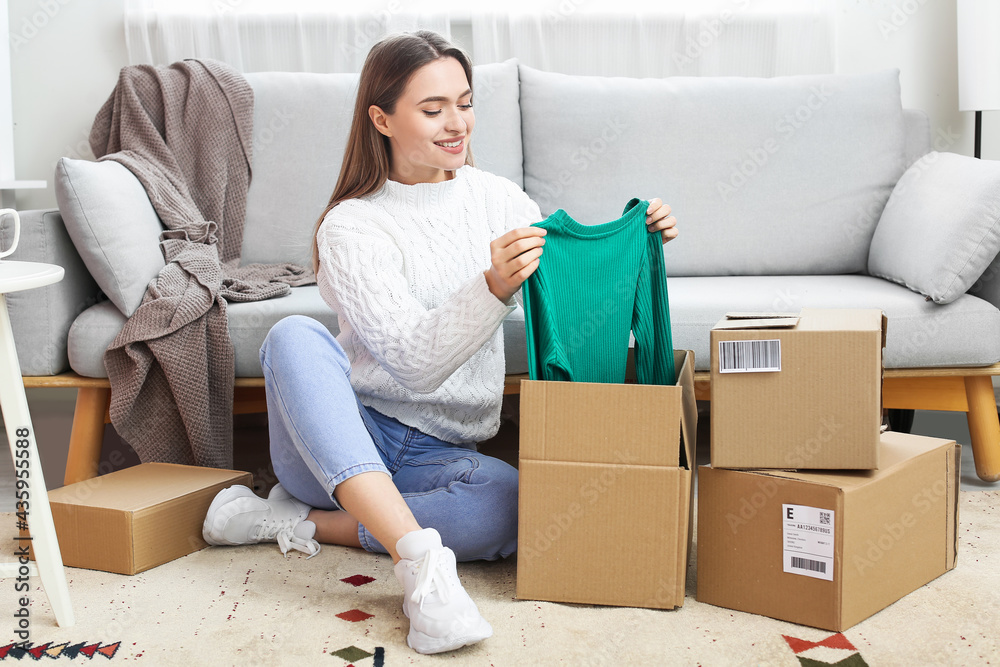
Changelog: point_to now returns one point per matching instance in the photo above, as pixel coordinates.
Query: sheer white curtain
(678, 37)
(601, 37)
(264, 35)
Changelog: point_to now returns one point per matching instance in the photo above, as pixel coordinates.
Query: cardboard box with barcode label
(829, 549)
(137, 518)
(801, 391)
(606, 479)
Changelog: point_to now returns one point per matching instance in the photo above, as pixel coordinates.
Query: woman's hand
(658, 218)
(514, 257)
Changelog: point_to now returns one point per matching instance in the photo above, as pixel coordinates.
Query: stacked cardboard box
(801, 391)
(808, 512)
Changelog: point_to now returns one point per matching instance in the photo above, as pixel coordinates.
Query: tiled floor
(52, 414)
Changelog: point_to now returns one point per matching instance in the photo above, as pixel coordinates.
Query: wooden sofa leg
(984, 426)
(87, 434)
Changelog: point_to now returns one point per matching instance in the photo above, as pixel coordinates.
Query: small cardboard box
(799, 392)
(606, 479)
(137, 518)
(829, 549)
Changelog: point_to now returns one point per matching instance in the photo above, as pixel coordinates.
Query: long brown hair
(387, 69)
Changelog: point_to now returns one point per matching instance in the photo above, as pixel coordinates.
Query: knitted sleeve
(361, 277)
(654, 345)
(523, 212)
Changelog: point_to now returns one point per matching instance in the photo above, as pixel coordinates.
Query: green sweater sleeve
(654, 345)
(546, 354)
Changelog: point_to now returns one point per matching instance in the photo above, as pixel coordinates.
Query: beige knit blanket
(185, 131)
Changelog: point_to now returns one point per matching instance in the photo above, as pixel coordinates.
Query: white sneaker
(442, 615)
(239, 516)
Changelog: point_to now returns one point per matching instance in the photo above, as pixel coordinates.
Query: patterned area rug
(250, 606)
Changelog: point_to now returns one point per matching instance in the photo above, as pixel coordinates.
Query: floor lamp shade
(978, 55)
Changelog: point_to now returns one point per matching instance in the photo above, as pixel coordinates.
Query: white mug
(17, 230)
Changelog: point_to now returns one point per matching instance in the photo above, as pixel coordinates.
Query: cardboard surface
(821, 408)
(137, 518)
(605, 479)
(893, 530)
(757, 323)
(757, 314)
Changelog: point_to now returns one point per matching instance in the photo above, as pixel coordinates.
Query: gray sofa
(780, 187)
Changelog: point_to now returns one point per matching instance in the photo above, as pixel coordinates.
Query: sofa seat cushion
(920, 333)
(779, 176)
(249, 323)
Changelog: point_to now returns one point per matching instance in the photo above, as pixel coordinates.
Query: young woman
(373, 433)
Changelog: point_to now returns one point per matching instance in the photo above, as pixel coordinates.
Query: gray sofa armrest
(41, 317)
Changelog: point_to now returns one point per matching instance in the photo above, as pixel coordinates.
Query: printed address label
(808, 538)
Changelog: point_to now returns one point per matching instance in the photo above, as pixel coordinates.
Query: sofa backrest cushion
(766, 176)
(918, 135)
(113, 225)
(301, 123)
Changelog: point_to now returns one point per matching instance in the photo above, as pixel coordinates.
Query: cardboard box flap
(610, 423)
(775, 321)
(759, 315)
(684, 361)
(139, 487)
(599, 423)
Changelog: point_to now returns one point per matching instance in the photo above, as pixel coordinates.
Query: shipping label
(808, 541)
(749, 356)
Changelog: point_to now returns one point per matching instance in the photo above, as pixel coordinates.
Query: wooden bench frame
(968, 390)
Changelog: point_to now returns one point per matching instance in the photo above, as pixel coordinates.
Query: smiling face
(429, 129)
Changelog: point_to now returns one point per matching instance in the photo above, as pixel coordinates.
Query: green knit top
(593, 285)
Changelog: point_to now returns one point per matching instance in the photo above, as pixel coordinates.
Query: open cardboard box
(829, 549)
(605, 479)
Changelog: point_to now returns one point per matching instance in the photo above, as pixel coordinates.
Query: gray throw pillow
(941, 226)
(113, 226)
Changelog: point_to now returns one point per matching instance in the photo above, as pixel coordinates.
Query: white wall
(918, 37)
(66, 55)
(65, 58)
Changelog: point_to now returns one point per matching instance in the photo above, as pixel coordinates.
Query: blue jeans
(321, 435)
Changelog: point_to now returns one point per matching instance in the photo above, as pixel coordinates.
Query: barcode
(824, 518)
(744, 356)
(809, 564)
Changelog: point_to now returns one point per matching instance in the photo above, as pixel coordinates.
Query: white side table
(14, 277)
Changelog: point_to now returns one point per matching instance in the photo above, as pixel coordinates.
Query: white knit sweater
(403, 268)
